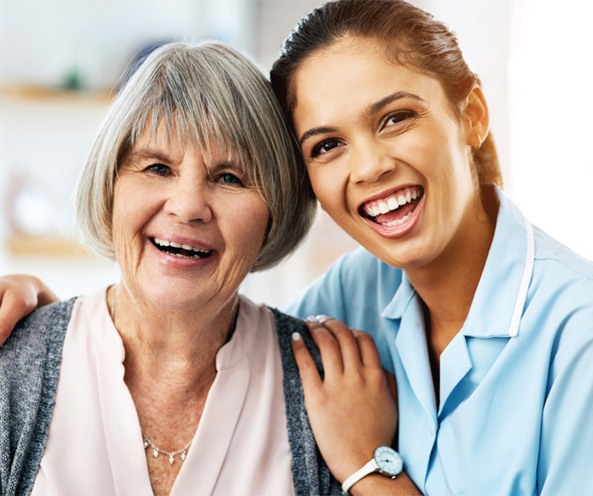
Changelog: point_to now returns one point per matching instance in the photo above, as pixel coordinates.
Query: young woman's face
(386, 156)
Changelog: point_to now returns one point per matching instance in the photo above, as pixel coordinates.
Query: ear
(476, 117)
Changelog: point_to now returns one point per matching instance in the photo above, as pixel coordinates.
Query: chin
(172, 294)
(407, 257)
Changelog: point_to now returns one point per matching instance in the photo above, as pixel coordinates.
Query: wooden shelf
(47, 246)
(46, 93)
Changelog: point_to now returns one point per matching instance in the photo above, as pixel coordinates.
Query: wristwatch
(385, 461)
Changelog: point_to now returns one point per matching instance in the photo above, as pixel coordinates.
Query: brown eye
(398, 117)
(325, 146)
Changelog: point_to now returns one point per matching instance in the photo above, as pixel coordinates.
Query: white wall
(532, 56)
(551, 103)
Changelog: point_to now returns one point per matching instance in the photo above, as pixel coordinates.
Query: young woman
(485, 320)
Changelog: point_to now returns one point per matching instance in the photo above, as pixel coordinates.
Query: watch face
(388, 460)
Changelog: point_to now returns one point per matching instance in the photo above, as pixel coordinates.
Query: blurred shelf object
(46, 93)
(20, 245)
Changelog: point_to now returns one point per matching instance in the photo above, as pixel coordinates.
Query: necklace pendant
(145, 444)
(155, 452)
(183, 456)
(171, 459)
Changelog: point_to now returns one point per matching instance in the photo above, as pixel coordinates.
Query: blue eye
(159, 169)
(229, 178)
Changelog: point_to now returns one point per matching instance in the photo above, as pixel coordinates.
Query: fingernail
(296, 336)
(321, 318)
(312, 319)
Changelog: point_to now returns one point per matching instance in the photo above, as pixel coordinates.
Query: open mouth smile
(180, 251)
(395, 208)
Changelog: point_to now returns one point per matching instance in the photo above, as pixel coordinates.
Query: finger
(368, 349)
(347, 341)
(331, 355)
(307, 368)
(12, 310)
(392, 384)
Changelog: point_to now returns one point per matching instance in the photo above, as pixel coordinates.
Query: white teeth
(393, 203)
(397, 222)
(162, 242)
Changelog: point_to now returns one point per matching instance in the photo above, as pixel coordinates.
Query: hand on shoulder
(351, 410)
(19, 295)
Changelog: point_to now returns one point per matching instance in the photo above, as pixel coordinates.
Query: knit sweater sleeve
(311, 475)
(29, 369)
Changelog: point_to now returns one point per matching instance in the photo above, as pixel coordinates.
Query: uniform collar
(400, 301)
(500, 297)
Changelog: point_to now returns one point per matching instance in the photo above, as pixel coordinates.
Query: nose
(190, 201)
(370, 162)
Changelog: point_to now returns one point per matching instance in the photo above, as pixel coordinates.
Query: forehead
(169, 136)
(347, 78)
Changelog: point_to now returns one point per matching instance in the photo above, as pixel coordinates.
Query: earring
(479, 141)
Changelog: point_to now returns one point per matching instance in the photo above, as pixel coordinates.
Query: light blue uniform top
(516, 391)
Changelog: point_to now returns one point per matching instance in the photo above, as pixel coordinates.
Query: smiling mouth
(395, 208)
(180, 251)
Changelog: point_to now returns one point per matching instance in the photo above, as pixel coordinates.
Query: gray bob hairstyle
(211, 95)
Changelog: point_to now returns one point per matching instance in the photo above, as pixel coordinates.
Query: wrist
(371, 484)
(385, 462)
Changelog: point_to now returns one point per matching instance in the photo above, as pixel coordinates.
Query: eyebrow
(373, 109)
(149, 153)
(314, 131)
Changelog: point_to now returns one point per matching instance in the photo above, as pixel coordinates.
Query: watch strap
(369, 468)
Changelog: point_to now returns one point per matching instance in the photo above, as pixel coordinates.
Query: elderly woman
(169, 382)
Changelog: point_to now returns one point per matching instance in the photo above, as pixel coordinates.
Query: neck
(170, 366)
(160, 344)
(448, 284)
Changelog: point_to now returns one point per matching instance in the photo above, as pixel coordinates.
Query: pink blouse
(95, 444)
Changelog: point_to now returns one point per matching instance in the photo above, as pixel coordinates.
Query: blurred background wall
(61, 59)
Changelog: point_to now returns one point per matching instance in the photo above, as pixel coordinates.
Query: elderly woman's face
(386, 157)
(186, 232)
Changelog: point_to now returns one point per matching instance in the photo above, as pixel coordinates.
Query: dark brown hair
(412, 37)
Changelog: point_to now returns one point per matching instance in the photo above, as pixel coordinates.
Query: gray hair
(212, 95)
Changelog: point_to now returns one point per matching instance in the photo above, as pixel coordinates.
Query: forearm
(379, 485)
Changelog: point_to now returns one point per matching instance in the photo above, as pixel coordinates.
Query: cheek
(321, 187)
(129, 215)
(329, 187)
(247, 224)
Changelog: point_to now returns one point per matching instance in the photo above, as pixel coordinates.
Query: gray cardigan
(29, 370)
